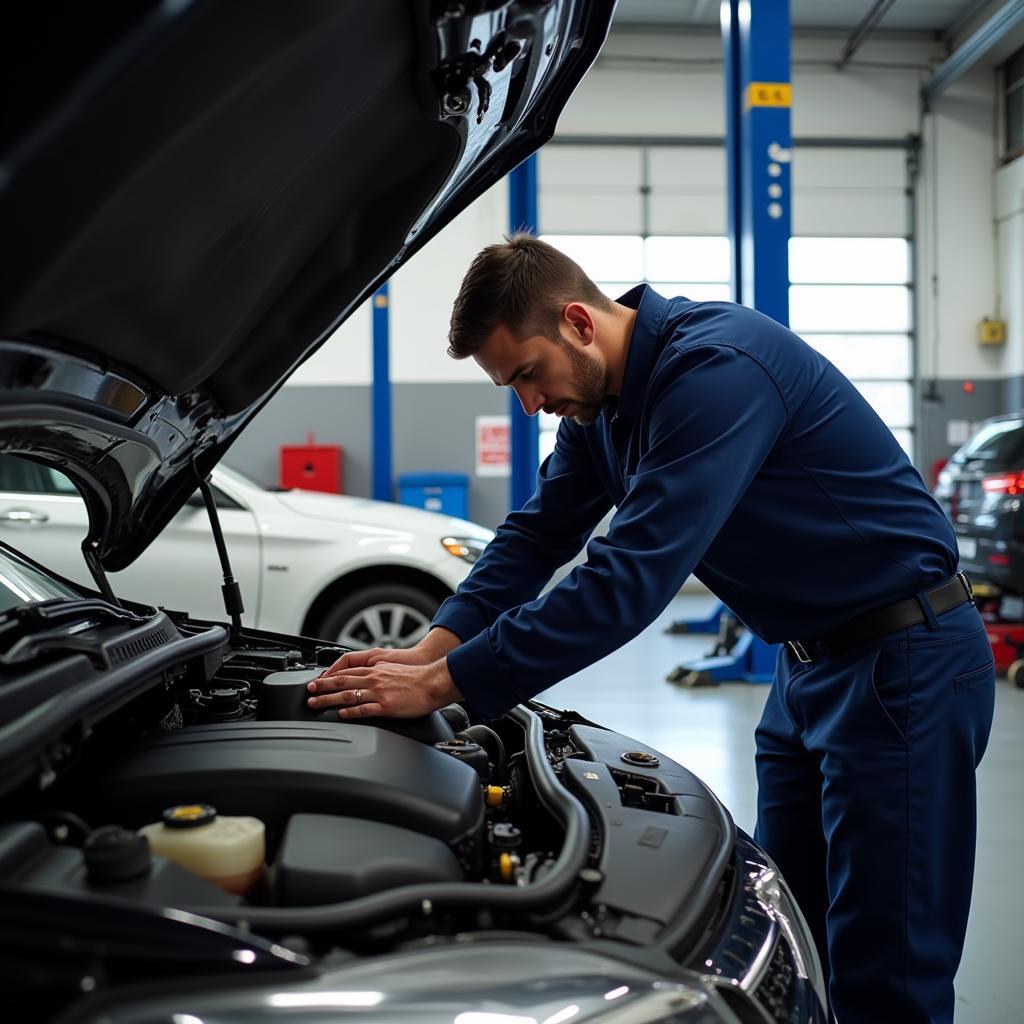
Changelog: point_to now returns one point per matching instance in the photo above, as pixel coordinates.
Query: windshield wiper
(56, 610)
(32, 629)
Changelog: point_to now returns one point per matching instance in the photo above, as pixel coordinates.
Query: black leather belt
(880, 622)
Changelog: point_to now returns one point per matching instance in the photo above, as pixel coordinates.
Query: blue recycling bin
(436, 492)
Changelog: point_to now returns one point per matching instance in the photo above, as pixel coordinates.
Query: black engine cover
(272, 770)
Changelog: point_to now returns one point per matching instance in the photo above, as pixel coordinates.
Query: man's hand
(385, 689)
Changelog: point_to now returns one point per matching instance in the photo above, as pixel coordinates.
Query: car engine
(377, 835)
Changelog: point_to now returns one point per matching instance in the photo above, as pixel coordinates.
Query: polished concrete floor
(710, 730)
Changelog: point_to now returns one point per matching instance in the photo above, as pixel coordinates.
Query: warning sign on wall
(493, 446)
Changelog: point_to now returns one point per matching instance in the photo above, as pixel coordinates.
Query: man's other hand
(436, 644)
(367, 659)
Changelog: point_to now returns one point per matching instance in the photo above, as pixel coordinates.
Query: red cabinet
(313, 467)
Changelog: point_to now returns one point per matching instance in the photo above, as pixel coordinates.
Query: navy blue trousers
(866, 802)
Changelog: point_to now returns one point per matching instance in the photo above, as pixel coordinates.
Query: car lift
(759, 149)
(737, 656)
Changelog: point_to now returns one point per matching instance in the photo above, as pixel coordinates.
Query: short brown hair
(521, 283)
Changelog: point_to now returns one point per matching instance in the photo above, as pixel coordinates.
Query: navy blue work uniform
(738, 453)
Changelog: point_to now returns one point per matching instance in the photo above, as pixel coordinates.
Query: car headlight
(765, 952)
(469, 549)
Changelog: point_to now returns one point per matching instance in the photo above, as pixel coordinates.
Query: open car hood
(193, 196)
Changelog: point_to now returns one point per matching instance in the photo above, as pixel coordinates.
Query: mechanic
(734, 451)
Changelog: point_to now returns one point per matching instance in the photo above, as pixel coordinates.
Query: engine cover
(272, 770)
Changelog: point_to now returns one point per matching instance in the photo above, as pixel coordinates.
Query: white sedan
(353, 571)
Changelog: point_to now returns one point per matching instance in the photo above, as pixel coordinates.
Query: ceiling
(927, 17)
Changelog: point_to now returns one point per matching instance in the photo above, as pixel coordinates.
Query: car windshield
(22, 583)
(1002, 441)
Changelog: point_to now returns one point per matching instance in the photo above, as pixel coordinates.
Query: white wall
(421, 297)
(673, 85)
(956, 232)
(424, 289)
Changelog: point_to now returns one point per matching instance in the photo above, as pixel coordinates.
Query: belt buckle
(799, 652)
(965, 582)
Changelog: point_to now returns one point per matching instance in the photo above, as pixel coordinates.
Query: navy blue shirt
(735, 452)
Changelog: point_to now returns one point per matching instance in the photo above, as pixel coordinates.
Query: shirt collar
(650, 311)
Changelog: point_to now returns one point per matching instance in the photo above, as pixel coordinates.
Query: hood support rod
(92, 560)
(230, 589)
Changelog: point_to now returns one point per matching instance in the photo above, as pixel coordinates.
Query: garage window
(849, 298)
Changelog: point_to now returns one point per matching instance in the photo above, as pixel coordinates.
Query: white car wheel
(387, 616)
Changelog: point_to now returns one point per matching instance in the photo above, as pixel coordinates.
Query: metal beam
(522, 216)
(381, 397)
(962, 59)
(962, 20)
(717, 141)
(859, 35)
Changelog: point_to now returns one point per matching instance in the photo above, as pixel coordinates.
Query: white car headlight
(469, 549)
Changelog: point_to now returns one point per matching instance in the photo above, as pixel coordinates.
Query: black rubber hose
(491, 742)
(425, 899)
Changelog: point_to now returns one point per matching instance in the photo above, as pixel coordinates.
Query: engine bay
(376, 833)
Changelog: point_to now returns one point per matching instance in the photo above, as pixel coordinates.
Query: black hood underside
(194, 195)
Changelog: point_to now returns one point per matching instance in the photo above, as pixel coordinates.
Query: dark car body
(981, 489)
(192, 197)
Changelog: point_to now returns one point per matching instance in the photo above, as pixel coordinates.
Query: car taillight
(1004, 483)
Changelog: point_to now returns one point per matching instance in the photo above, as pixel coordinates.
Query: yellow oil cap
(495, 796)
(189, 815)
(505, 866)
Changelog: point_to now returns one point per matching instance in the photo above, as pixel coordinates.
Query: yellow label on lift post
(768, 94)
(991, 332)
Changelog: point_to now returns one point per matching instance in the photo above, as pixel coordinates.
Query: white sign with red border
(493, 446)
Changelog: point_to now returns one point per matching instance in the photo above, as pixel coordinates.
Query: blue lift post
(759, 146)
(381, 398)
(522, 216)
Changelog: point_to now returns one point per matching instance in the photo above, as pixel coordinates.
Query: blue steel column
(759, 78)
(733, 141)
(522, 216)
(381, 399)
(759, 145)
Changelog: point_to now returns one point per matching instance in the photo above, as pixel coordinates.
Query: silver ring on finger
(359, 696)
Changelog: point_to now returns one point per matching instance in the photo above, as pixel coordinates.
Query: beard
(589, 381)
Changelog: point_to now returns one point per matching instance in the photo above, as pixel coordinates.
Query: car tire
(1015, 673)
(382, 615)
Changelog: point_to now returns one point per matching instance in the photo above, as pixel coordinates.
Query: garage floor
(711, 731)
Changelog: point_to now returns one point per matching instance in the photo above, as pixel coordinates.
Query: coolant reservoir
(227, 851)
